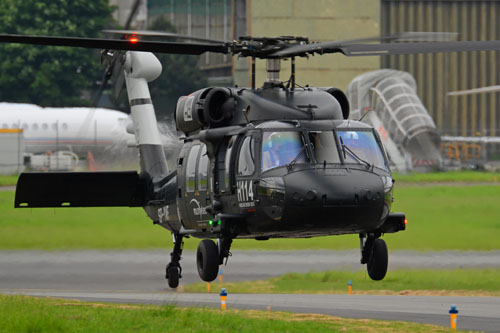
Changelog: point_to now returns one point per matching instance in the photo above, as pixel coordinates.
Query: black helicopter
(280, 161)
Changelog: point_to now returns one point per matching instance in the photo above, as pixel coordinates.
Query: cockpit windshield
(361, 147)
(324, 146)
(281, 148)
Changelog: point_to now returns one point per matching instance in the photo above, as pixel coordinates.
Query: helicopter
(279, 161)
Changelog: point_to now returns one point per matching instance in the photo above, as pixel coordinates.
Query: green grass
(433, 177)
(448, 177)
(440, 218)
(27, 314)
(448, 217)
(8, 180)
(425, 281)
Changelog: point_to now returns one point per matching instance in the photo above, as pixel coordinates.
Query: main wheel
(377, 265)
(173, 276)
(207, 260)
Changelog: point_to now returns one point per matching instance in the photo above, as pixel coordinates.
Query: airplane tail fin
(141, 68)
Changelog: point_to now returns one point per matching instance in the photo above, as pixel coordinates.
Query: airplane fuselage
(75, 129)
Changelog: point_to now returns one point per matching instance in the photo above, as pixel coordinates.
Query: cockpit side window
(246, 160)
(281, 148)
(360, 147)
(324, 146)
(191, 168)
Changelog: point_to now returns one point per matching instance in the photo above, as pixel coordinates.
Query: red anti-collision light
(133, 39)
(406, 221)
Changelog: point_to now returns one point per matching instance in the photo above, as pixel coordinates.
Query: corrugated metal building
(213, 19)
(320, 20)
(438, 74)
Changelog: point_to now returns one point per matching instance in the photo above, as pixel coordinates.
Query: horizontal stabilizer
(80, 189)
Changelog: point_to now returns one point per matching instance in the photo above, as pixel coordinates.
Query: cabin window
(190, 168)
(25, 126)
(34, 127)
(246, 160)
(281, 148)
(227, 164)
(361, 147)
(324, 147)
(5, 126)
(45, 126)
(203, 170)
(64, 126)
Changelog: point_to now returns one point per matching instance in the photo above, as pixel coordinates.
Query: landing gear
(207, 260)
(173, 270)
(173, 275)
(377, 266)
(210, 255)
(374, 253)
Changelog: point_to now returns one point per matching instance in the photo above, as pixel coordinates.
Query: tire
(379, 261)
(207, 260)
(173, 277)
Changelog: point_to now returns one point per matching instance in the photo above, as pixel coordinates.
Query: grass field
(460, 217)
(448, 177)
(459, 282)
(8, 180)
(27, 314)
(434, 177)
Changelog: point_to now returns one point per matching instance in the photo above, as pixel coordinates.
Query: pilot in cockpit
(279, 148)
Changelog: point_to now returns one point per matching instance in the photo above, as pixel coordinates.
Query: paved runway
(94, 270)
(475, 313)
(137, 277)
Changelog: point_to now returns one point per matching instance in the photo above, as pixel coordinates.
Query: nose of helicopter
(334, 198)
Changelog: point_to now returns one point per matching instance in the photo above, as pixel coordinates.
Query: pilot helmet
(351, 135)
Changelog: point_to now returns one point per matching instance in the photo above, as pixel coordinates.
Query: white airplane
(79, 130)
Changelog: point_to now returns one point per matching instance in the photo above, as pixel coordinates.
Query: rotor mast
(273, 66)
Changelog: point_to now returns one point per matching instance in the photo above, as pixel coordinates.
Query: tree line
(63, 76)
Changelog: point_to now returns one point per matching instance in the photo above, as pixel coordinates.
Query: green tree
(180, 76)
(47, 75)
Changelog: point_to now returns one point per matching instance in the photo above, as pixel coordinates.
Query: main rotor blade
(387, 49)
(474, 91)
(117, 44)
(407, 36)
(159, 34)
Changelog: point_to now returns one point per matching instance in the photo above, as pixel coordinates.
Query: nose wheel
(173, 270)
(173, 275)
(375, 255)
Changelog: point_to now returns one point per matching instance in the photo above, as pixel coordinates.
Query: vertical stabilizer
(141, 68)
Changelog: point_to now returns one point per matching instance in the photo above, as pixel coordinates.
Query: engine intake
(342, 99)
(218, 107)
(209, 107)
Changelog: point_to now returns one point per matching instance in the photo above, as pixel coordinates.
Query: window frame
(337, 142)
(253, 144)
(302, 135)
(377, 140)
(207, 169)
(188, 164)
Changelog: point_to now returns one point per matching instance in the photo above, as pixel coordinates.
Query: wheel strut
(224, 249)
(366, 245)
(173, 270)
